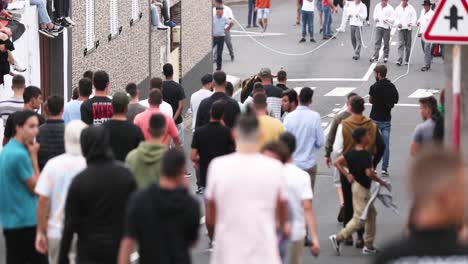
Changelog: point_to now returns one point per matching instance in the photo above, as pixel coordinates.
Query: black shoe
(302, 40)
(399, 62)
(200, 190)
(321, 30)
(355, 57)
(349, 241)
(359, 243)
(326, 38)
(232, 58)
(372, 59)
(248, 26)
(313, 40)
(255, 26)
(62, 22)
(307, 242)
(340, 217)
(425, 68)
(385, 60)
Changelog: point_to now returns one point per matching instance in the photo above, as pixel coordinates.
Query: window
(135, 10)
(90, 36)
(114, 19)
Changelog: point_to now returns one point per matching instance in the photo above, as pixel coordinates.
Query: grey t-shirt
(424, 132)
(133, 110)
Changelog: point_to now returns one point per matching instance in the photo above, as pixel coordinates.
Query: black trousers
(20, 247)
(368, 4)
(218, 42)
(348, 210)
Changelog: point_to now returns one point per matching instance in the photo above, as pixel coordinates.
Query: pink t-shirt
(143, 118)
(245, 198)
(325, 3)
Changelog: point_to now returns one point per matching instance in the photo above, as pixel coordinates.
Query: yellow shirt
(270, 128)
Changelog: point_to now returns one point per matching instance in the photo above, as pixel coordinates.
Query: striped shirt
(9, 106)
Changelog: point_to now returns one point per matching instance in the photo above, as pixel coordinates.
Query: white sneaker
(70, 21)
(19, 68)
(335, 244)
(369, 251)
(342, 30)
(161, 26)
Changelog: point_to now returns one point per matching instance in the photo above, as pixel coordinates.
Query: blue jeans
(41, 11)
(252, 15)
(307, 21)
(327, 21)
(180, 129)
(154, 16)
(385, 128)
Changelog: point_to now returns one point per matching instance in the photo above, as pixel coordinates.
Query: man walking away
(145, 161)
(309, 135)
(51, 133)
(263, 11)
(424, 19)
(52, 188)
(229, 201)
(71, 110)
(405, 19)
(124, 136)
(270, 127)
(166, 108)
(198, 96)
(273, 93)
(328, 9)
(227, 12)
(95, 205)
(163, 219)
(174, 94)
(98, 110)
(357, 13)
(329, 150)
(17, 198)
(282, 78)
(367, 3)
(221, 25)
(32, 97)
(211, 141)
(231, 106)
(424, 132)
(134, 107)
(142, 119)
(16, 102)
(344, 16)
(383, 18)
(360, 175)
(383, 96)
(252, 15)
(437, 187)
(307, 12)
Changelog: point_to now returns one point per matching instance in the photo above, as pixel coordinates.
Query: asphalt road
(326, 69)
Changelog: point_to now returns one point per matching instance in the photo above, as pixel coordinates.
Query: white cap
(72, 137)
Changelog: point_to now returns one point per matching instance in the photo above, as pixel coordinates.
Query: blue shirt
(306, 126)
(219, 23)
(71, 111)
(17, 203)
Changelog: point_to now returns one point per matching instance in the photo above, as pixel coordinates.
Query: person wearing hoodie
(145, 161)
(95, 205)
(210, 141)
(344, 143)
(163, 219)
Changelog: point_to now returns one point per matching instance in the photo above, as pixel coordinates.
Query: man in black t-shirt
(360, 175)
(383, 96)
(210, 141)
(174, 94)
(98, 110)
(437, 188)
(231, 106)
(162, 219)
(273, 93)
(124, 135)
(32, 98)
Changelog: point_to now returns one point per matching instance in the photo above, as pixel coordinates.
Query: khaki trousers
(296, 250)
(312, 174)
(361, 197)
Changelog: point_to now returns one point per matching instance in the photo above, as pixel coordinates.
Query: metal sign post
(456, 89)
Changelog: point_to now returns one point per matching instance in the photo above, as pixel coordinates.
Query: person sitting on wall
(46, 27)
(156, 22)
(6, 58)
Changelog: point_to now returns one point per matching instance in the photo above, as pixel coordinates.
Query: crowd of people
(110, 177)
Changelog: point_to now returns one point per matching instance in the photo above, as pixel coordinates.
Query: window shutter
(90, 34)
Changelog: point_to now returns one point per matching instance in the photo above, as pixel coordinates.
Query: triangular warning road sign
(449, 23)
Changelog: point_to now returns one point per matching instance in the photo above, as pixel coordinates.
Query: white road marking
(257, 35)
(326, 80)
(402, 105)
(420, 93)
(340, 91)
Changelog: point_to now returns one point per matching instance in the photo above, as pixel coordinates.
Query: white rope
(281, 52)
(409, 59)
(362, 39)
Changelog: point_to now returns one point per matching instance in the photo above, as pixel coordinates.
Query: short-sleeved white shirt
(165, 107)
(299, 189)
(245, 189)
(308, 5)
(53, 183)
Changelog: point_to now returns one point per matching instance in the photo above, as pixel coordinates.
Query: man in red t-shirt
(263, 10)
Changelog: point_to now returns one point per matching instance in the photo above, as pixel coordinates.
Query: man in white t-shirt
(299, 200)
(423, 22)
(198, 96)
(227, 12)
(164, 107)
(307, 13)
(52, 189)
(243, 201)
